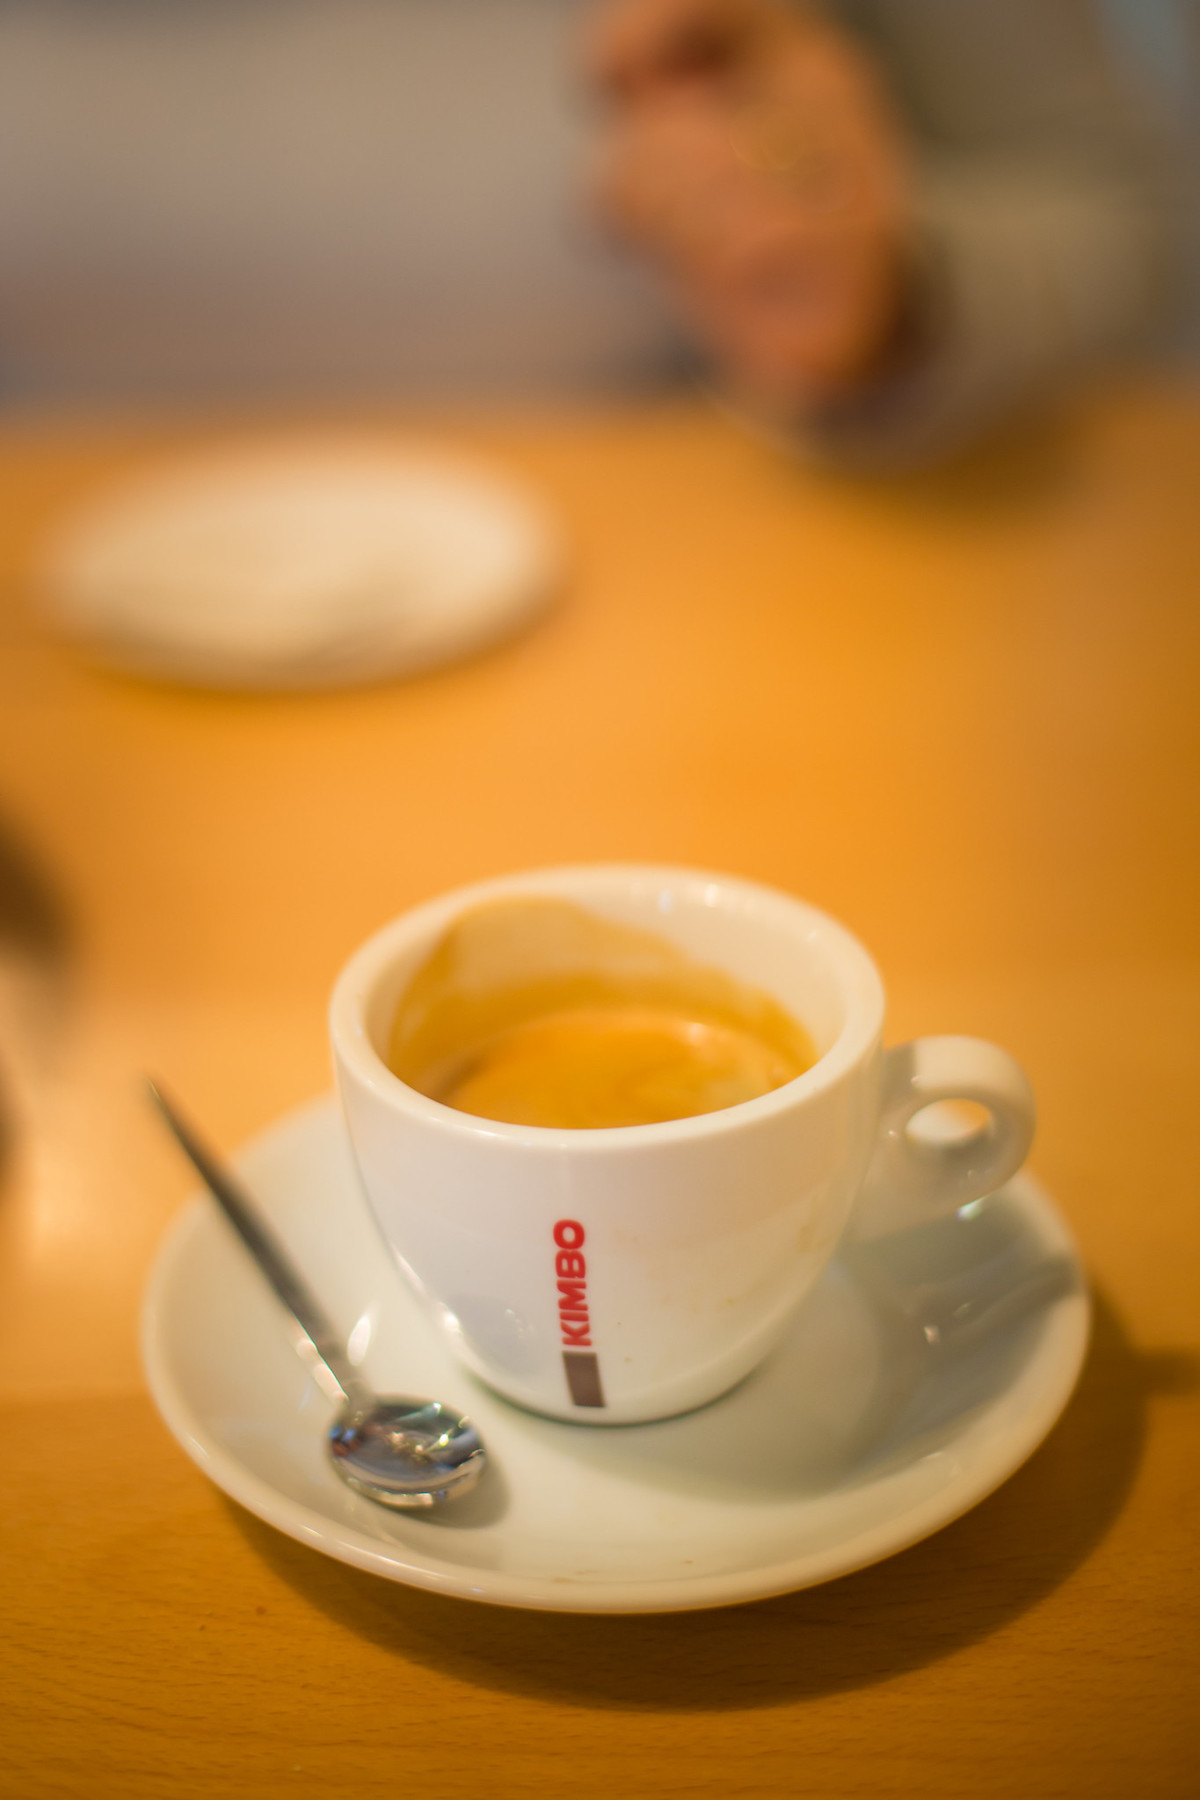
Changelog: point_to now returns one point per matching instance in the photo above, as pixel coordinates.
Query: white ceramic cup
(609, 1276)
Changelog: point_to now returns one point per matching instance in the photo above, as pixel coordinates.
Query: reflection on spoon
(397, 1450)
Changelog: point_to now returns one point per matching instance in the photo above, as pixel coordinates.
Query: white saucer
(919, 1375)
(301, 563)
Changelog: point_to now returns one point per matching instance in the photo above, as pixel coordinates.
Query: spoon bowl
(406, 1453)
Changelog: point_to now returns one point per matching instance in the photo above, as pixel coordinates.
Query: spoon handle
(263, 1246)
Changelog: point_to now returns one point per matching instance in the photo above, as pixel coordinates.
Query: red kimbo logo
(579, 1358)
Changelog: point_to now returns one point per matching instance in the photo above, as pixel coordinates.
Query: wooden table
(959, 711)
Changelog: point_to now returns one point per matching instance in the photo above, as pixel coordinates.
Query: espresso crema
(535, 1011)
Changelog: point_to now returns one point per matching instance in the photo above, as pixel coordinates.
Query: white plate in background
(309, 562)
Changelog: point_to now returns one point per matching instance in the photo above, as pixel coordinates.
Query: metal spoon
(400, 1451)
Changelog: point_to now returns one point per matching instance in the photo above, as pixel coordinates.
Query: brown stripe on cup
(583, 1377)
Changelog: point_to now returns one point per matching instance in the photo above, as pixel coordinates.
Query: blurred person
(886, 221)
(890, 221)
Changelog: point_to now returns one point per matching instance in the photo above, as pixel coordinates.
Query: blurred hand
(750, 151)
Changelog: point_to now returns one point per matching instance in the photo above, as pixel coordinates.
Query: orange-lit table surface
(961, 712)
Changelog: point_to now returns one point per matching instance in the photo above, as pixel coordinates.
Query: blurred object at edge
(35, 966)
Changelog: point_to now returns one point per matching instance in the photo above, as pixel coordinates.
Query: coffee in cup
(535, 1011)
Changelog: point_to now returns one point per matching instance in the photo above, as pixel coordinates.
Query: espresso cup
(609, 1276)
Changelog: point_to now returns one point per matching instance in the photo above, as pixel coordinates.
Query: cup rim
(860, 983)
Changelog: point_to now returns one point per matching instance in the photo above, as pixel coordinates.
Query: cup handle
(911, 1180)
